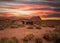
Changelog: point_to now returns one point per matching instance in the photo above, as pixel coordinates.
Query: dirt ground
(21, 32)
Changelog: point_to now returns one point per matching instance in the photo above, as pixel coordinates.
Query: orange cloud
(27, 7)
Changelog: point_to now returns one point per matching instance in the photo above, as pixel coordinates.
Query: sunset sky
(46, 9)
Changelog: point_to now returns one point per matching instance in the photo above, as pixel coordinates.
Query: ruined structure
(33, 20)
(36, 20)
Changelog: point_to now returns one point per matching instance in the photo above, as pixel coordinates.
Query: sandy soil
(21, 32)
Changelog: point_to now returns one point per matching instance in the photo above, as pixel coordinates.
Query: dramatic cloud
(53, 0)
(55, 4)
(51, 8)
(29, 0)
(24, 0)
(53, 15)
(43, 9)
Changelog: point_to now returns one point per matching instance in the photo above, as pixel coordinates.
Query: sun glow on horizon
(52, 18)
(28, 10)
